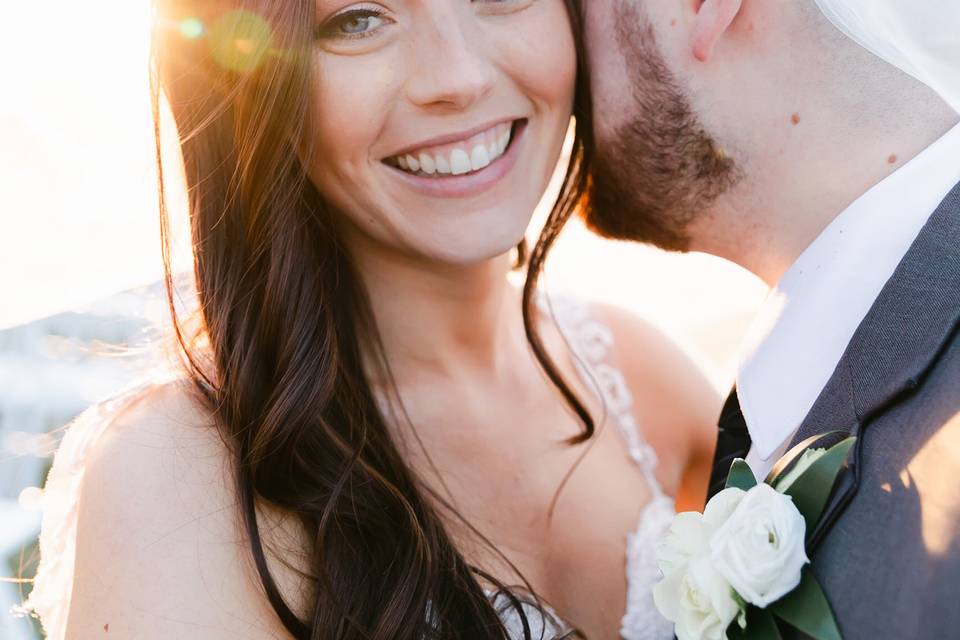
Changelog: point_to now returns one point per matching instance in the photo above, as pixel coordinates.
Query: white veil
(921, 37)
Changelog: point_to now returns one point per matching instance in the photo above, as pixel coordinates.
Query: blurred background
(82, 311)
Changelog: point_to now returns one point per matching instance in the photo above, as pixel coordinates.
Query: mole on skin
(892, 159)
(795, 118)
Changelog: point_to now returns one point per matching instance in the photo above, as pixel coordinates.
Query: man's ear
(713, 19)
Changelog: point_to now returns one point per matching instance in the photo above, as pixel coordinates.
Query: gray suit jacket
(888, 553)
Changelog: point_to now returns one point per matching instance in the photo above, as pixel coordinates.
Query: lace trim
(541, 626)
(591, 342)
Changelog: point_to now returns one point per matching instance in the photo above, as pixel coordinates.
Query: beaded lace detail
(591, 343)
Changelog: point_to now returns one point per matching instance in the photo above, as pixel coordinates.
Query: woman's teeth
(457, 158)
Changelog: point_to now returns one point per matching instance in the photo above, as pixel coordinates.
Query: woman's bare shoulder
(671, 385)
(160, 550)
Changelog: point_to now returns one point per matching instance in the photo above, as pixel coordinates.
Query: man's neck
(774, 218)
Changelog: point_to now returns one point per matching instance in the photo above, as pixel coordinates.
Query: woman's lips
(449, 185)
(457, 156)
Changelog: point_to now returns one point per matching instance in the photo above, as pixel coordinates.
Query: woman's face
(439, 122)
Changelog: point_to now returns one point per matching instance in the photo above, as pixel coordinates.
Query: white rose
(693, 595)
(807, 458)
(760, 548)
(689, 534)
(698, 600)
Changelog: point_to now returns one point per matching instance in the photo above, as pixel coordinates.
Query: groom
(757, 131)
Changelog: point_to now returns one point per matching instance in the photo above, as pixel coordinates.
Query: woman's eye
(359, 23)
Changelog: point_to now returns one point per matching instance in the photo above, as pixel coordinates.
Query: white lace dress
(591, 343)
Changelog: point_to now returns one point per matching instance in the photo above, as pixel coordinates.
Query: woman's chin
(467, 246)
(476, 253)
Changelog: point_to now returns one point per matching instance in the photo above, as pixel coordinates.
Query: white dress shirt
(807, 321)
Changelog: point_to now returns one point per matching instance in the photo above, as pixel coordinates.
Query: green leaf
(811, 490)
(807, 609)
(760, 626)
(741, 476)
(794, 454)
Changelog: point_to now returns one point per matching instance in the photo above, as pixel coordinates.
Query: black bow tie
(733, 441)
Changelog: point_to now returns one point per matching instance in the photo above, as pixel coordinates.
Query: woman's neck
(442, 318)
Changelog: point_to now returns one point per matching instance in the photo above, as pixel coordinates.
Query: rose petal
(721, 506)
(685, 539)
(666, 595)
(712, 583)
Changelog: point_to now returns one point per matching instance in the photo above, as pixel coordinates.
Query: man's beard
(661, 171)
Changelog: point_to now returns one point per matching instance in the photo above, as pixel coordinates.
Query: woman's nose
(451, 67)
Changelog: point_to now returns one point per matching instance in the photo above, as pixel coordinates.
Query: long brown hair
(283, 322)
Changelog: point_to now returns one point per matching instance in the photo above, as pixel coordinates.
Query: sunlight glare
(31, 499)
(78, 202)
(939, 498)
(191, 28)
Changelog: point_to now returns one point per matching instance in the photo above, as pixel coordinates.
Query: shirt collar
(807, 320)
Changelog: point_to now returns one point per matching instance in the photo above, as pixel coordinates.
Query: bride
(377, 436)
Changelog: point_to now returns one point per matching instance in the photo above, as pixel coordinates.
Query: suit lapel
(902, 334)
(898, 341)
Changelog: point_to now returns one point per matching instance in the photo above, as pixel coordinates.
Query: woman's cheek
(540, 54)
(351, 102)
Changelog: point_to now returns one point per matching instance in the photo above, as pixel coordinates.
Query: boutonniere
(732, 571)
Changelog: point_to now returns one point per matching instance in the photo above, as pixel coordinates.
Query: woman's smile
(462, 164)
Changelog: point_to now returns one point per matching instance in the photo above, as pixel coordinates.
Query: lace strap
(591, 342)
